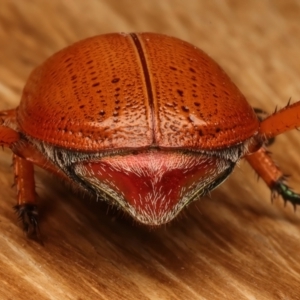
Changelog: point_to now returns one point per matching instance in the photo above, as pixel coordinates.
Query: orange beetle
(144, 121)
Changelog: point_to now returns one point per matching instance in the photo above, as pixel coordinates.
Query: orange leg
(265, 167)
(25, 157)
(8, 136)
(27, 205)
(24, 178)
(284, 120)
(261, 115)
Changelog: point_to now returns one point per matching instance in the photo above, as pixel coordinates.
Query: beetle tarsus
(286, 193)
(28, 215)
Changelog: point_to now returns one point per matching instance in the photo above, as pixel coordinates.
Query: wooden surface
(235, 245)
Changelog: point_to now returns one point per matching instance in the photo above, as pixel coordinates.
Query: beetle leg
(8, 136)
(261, 115)
(281, 121)
(265, 167)
(26, 207)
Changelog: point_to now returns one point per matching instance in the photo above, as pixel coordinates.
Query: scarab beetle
(144, 121)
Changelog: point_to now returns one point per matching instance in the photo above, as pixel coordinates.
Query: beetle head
(154, 186)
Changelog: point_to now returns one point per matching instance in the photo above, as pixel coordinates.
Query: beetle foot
(28, 215)
(286, 193)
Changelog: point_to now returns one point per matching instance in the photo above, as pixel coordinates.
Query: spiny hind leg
(265, 167)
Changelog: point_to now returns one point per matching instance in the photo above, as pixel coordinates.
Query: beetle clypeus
(144, 121)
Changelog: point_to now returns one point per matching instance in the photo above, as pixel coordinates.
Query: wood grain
(234, 245)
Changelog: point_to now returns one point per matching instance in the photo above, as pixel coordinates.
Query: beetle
(146, 122)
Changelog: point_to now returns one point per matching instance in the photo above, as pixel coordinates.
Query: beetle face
(153, 186)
